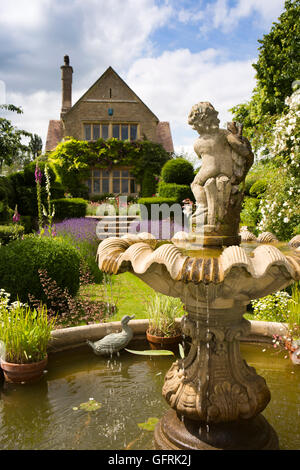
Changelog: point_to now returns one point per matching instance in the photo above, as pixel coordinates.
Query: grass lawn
(126, 291)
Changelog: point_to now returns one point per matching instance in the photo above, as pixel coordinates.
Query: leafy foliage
(281, 201)
(177, 191)
(277, 67)
(20, 261)
(250, 215)
(72, 159)
(11, 145)
(25, 332)
(146, 204)
(162, 312)
(273, 307)
(258, 188)
(69, 208)
(178, 170)
(10, 232)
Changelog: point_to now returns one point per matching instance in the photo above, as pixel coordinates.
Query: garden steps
(113, 226)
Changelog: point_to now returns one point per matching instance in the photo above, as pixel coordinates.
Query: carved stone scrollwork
(213, 383)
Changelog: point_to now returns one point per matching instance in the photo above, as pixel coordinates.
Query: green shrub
(10, 232)
(7, 193)
(6, 213)
(20, 261)
(273, 307)
(176, 191)
(250, 214)
(29, 223)
(149, 184)
(149, 201)
(69, 208)
(24, 187)
(178, 170)
(258, 188)
(249, 182)
(100, 197)
(7, 199)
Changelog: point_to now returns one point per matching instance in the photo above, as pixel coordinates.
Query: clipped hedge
(176, 191)
(149, 184)
(10, 232)
(20, 261)
(146, 204)
(69, 208)
(179, 171)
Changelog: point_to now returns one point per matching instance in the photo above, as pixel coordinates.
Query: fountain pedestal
(176, 433)
(214, 394)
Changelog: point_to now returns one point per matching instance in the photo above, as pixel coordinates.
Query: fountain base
(208, 240)
(173, 433)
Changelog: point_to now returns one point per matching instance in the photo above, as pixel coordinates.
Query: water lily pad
(91, 405)
(151, 352)
(149, 425)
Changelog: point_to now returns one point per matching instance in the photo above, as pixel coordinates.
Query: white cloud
(173, 82)
(23, 14)
(37, 108)
(226, 18)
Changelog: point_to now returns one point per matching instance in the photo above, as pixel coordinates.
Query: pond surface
(47, 414)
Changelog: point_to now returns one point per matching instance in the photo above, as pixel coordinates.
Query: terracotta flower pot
(163, 342)
(23, 373)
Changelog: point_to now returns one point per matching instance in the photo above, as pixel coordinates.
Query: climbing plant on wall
(72, 159)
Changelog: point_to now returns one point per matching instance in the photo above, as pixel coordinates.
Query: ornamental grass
(25, 333)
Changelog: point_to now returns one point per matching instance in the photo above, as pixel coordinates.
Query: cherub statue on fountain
(226, 159)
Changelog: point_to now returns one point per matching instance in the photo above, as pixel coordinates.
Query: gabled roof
(164, 136)
(112, 71)
(54, 135)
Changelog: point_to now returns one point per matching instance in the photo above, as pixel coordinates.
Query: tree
(11, 145)
(277, 67)
(35, 145)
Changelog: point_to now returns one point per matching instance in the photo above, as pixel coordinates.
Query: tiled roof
(54, 135)
(164, 136)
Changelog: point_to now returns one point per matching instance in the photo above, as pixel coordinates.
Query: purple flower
(161, 229)
(38, 175)
(16, 216)
(81, 229)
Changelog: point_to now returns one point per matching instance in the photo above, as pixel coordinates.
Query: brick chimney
(66, 82)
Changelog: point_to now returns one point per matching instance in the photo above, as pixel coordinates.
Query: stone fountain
(215, 398)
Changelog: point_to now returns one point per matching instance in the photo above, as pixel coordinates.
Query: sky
(172, 53)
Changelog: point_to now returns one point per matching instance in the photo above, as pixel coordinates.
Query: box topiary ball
(178, 170)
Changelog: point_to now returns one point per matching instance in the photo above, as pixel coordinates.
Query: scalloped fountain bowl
(215, 398)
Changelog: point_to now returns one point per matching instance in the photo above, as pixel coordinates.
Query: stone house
(109, 108)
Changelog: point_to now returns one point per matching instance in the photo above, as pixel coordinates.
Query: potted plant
(163, 332)
(24, 336)
(292, 341)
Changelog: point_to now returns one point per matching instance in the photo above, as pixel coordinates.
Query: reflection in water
(46, 415)
(24, 412)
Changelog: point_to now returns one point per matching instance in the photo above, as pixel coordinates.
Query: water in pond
(42, 415)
